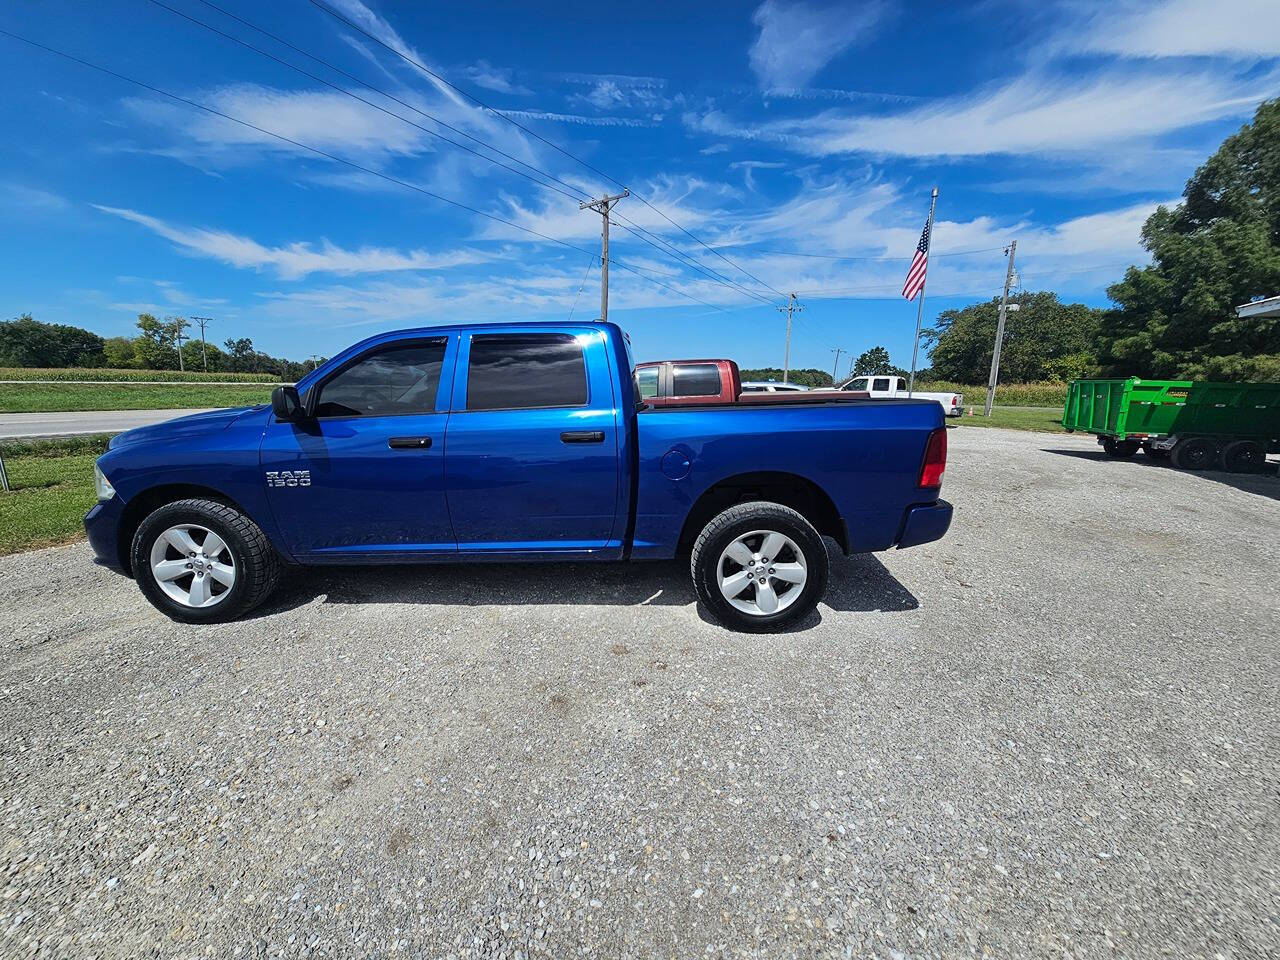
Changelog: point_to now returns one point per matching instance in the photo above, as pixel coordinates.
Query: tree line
(27, 342)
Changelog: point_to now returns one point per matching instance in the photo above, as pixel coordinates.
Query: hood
(192, 425)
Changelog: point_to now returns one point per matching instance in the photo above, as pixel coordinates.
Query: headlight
(102, 485)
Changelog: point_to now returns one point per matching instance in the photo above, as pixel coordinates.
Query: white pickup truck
(886, 388)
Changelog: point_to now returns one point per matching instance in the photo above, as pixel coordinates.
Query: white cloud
(797, 40)
(578, 119)
(328, 121)
(1248, 29)
(498, 79)
(1035, 113)
(32, 199)
(296, 260)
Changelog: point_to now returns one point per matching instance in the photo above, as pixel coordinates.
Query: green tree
(875, 360)
(807, 377)
(240, 354)
(26, 342)
(1215, 250)
(1044, 339)
(155, 348)
(119, 352)
(195, 359)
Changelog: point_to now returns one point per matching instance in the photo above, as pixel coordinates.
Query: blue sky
(780, 135)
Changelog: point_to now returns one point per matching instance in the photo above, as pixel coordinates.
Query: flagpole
(915, 347)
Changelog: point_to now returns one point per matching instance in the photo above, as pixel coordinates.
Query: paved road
(1051, 734)
(92, 421)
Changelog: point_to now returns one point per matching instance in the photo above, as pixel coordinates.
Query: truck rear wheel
(1244, 456)
(1195, 453)
(759, 567)
(200, 561)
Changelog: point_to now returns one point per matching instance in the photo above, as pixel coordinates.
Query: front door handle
(582, 436)
(409, 443)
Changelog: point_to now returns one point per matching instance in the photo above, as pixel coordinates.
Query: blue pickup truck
(513, 442)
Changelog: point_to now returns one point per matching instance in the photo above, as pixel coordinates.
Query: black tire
(256, 563)
(742, 519)
(1195, 453)
(1155, 453)
(1244, 456)
(1120, 448)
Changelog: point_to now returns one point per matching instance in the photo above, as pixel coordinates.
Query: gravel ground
(1052, 733)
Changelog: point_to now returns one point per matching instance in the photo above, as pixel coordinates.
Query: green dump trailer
(1199, 425)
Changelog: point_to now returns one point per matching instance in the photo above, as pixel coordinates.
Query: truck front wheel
(759, 567)
(200, 561)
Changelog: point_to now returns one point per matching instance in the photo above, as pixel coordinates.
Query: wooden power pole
(602, 207)
(789, 309)
(995, 352)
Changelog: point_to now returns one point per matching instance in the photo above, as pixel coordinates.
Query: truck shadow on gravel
(1264, 484)
(858, 584)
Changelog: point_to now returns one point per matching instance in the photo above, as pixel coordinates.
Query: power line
(577, 196)
(333, 86)
(320, 5)
(823, 256)
(349, 163)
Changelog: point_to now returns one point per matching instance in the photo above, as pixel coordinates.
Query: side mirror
(286, 405)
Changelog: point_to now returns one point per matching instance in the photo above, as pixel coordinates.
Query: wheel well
(802, 495)
(140, 506)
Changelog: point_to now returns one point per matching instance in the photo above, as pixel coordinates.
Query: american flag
(919, 265)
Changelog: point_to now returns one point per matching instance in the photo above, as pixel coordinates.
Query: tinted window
(880, 383)
(390, 383)
(526, 370)
(647, 379)
(695, 380)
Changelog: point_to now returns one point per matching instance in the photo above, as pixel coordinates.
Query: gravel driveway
(1053, 733)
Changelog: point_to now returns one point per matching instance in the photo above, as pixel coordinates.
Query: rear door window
(395, 381)
(695, 380)
(647, 379)
(880, 383)
(522, 371)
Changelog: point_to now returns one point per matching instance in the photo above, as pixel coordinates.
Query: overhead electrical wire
(653, 240)
(320, 5)
(644, 274)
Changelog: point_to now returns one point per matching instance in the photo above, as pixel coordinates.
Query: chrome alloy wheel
(192, 565)
(762, 572)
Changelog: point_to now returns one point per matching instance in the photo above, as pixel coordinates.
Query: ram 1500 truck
(512, 442)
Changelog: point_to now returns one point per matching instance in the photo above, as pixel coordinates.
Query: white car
(771, 386)
(888, 388)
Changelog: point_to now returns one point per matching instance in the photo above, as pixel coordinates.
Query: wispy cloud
(1248, 29)
(1035, 113)
(797, 40)
(579, 119)
(295, 260)
(498, 79)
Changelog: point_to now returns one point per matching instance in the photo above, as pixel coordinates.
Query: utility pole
(789, 309)
(204, 355)
(995, 352)
(602, 207)
(915, 347)
(180, 325)
(835, 375)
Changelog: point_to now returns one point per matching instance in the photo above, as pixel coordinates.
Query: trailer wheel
(1120, 448)
(1155, 453)
(1244, 456)
(1195, 453)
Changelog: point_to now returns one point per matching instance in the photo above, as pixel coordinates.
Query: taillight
(955, 401)
(935, 459)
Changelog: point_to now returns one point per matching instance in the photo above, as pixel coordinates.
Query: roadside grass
(1044, 419)
(116, 374)
(1044, 394)
(52, 489)
(62, 397)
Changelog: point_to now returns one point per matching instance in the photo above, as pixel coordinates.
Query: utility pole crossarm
(602, 207)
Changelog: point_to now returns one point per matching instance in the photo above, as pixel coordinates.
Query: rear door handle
(409, 443)
(582, 436)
